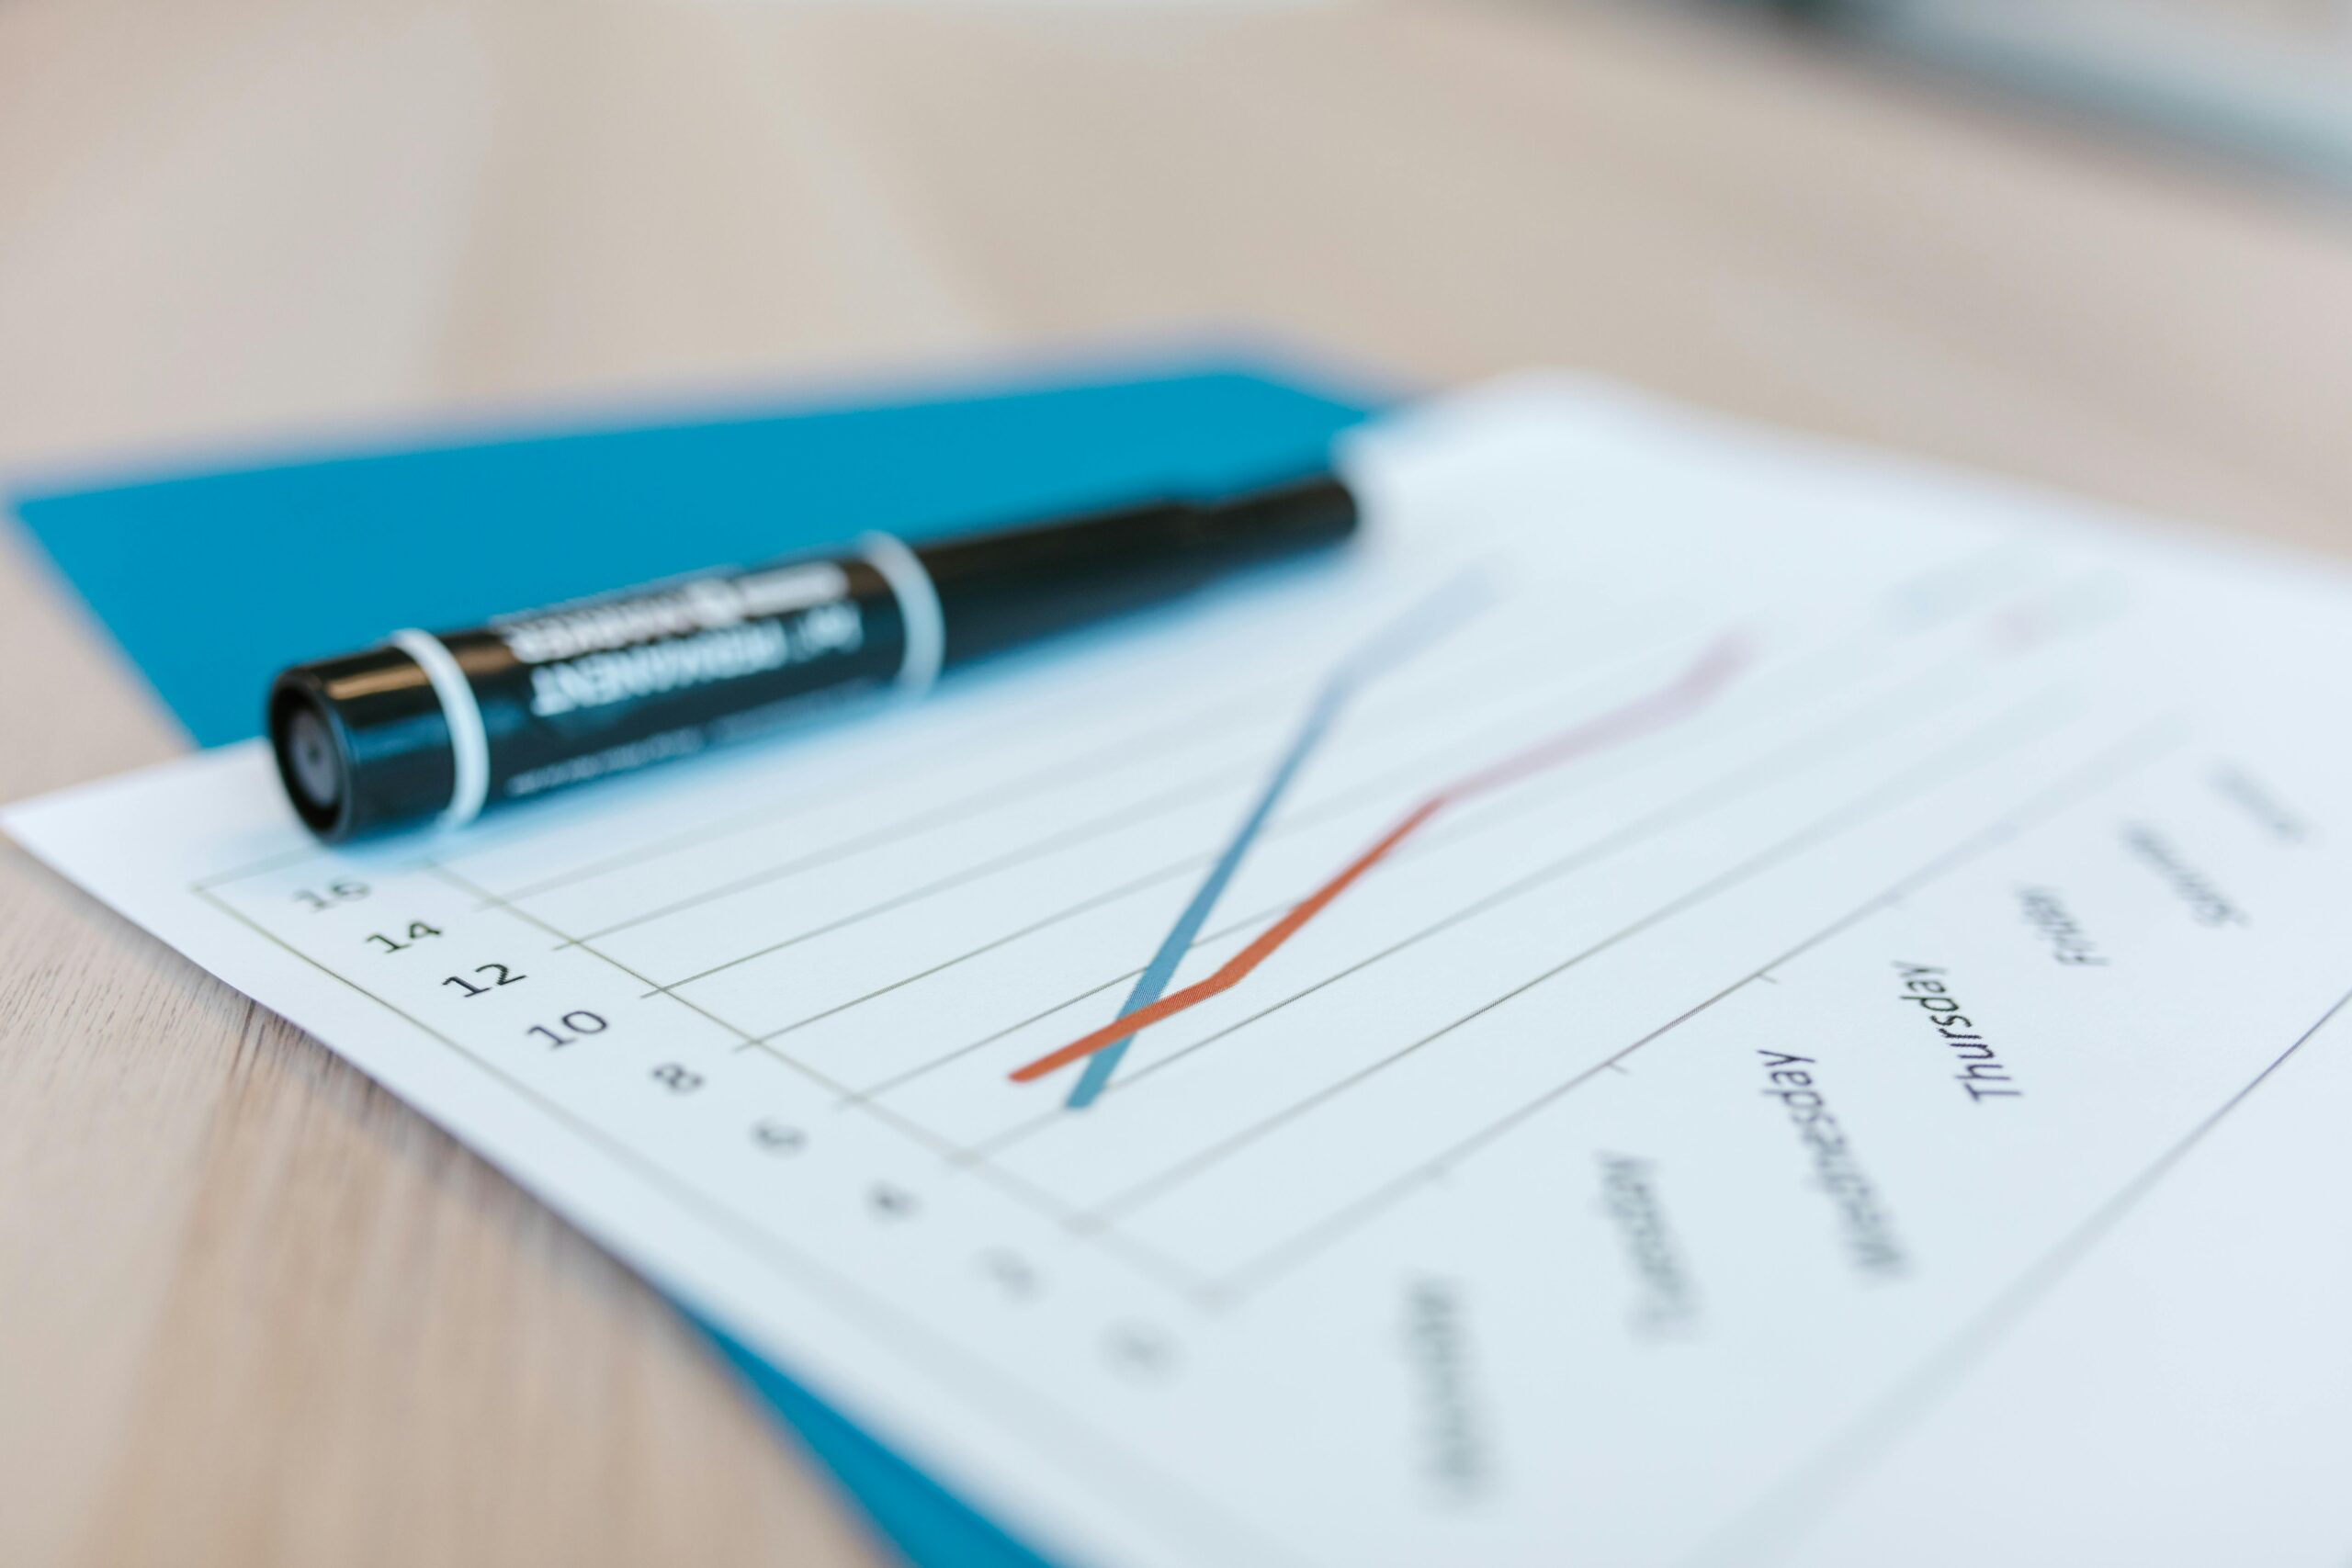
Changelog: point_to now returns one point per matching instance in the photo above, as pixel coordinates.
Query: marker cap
(372, 716)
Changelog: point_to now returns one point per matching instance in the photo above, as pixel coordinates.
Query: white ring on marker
(468, 741)
(919, 612)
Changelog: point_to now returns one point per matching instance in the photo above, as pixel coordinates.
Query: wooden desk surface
(252, 1311)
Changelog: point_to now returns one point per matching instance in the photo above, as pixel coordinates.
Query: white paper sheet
(1827, 1055)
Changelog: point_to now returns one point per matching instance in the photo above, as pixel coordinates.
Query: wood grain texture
(254, 1312)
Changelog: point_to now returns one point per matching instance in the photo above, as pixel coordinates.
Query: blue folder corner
(210, 581)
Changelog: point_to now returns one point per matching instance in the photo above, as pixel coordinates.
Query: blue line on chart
(1445, 609)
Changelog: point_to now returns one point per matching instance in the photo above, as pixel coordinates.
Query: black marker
(446, 726)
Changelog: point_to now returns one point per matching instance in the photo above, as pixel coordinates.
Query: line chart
(1410, 633)
(1683, 696)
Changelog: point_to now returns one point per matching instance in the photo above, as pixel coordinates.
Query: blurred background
(2267, 79)
(2104, 244)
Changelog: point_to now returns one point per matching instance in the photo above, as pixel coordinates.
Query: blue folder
(211, 581)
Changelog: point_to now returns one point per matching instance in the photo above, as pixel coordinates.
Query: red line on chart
(1680, 697)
